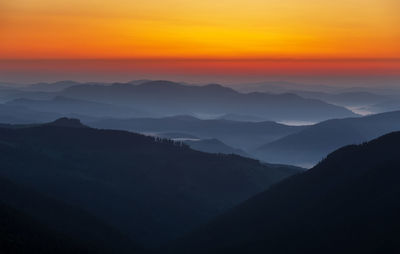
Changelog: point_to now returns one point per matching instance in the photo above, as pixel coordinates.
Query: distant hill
(11, 93)
(169, 98)
(15, 114)
(210, 145)
(148, 189)
(6, 93)
(315, 142)
(281, 86)
(175, 135)
(242, 118)
(52, 87)
(346, 98)
(375, 99)
(243, 135)
(64, 105)
(348, 203)
(139, 82)
(213, 146)
(385, 106)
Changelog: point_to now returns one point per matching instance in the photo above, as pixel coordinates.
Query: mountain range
(348, 203)
(169, 98)
(312, 144)
(150, 190)
(213, 145)
(350, 99)
(243, 135)
(33, 222)
(63, 105)
(165, 167)
(22, 115)
(164, 98)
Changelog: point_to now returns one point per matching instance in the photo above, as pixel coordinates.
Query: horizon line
(287, 59)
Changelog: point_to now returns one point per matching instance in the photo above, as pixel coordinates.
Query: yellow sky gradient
(199, 29)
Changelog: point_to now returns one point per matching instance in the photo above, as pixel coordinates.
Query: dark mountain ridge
(36, 223)
(348, 203)
(151, 190)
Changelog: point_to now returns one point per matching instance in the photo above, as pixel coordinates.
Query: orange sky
(206, 29)
(198, 29)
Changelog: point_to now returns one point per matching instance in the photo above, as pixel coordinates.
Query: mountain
(7, 94)
(21, 234)
(169, 98)
(22, 115)
(385, 106)
(139, 82)
(379, 87)
(312, 144)
(66, 122)
(243, 135)
(213, 145)
(349, 99)
(348, 203)
(363, 100)
(176, 136)
(210, 145)
(52, 87)
(280, 86)
(32, 222)
(64, 105)
(148, 189)
(242, 118)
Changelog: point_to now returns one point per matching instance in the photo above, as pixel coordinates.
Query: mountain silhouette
(315, 142)
(67, 122)
(169, 98)
(213, 145)
(151, 190)
(353, 98)
(12, 114)
(243, 135)
(32, 222)
(176, 135)
(385, 106)
(20, 233)
(64, 105)
(52, 87)
(210, 145)
(348, 203)
(242, 118)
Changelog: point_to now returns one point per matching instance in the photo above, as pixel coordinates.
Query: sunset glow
(229, 30)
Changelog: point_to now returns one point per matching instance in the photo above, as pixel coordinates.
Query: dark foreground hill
(349, 203)
(21, 234)
(31, 222)
(150, 190)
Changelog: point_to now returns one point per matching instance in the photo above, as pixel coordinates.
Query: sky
(42, 39)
